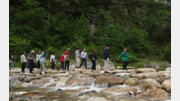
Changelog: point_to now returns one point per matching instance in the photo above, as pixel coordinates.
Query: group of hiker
(40, 60)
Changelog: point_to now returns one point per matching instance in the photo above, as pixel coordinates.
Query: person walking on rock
(31, 61)
(106, 58)
(94, 58)
(42, 60)
(12, 62)
(52, 60)
(84, 58)
(66, 58)
(77, 57)
(124, 55)
(37, 60)
(23, 62)
(62, 62)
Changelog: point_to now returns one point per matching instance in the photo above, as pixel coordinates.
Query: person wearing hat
(37, 60)
(42, 59)
(93, 60)
(84, 58)
(106, 58)
(77, 57)
(124, 55)
(66, 58)
(62, 62)
(31, 61)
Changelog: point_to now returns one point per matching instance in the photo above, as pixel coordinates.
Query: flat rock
(111, 81)
(94, 98)
(79, 82)
(122, 74)
(121, 90)
(155, 94)
(145, 70)
(147, 75)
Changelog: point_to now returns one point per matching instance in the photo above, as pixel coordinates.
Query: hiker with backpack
(124, 55)
(42, 59)
(93, 60)
(31, 61)
(66, 58)
(84, 58)
(62, 62)
(106, 58)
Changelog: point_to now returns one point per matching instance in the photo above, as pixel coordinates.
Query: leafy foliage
(142, 26)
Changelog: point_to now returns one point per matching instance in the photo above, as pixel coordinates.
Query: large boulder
(111, 81)
(165, 74)
(121, 90)
(145, 70)
(94, 98)
(132, 81)
(155, 94)
(167, 85)
(148, 84)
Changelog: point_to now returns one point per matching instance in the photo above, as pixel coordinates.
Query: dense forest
(142, 26)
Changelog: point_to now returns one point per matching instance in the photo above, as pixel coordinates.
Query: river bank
(86, 85)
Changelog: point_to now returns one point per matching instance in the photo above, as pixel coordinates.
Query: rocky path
(86, 85)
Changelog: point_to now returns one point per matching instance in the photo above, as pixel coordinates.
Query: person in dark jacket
(106, 58)
(94, 58)
(31, 61)
(66, 58)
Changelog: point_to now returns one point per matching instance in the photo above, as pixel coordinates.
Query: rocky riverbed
(143, 84)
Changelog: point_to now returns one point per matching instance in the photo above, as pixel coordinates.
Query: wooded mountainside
(142, 26)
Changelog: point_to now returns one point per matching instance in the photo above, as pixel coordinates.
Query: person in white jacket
(37, 60)
(77, 57)
(23, 62)
(84, 58)
(52, 60)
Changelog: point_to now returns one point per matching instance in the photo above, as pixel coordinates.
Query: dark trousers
(23, 65)
(30, 65)
(125, 65)
(38, 64)
(83, 61)
(93, 65)
(67, 65)
(52, 65)
(62, 65)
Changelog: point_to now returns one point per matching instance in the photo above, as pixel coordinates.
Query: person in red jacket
(66, 58)
(62, 61)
